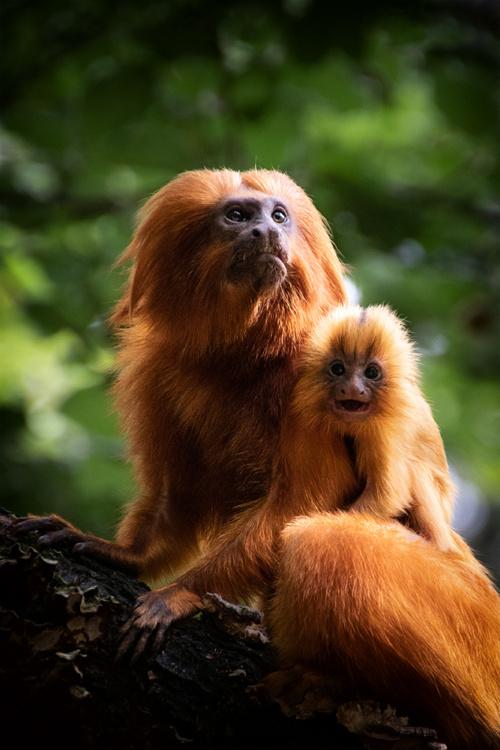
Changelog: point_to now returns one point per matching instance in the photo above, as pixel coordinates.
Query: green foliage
(386, 113)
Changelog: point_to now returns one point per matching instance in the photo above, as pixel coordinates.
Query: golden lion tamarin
(360, 382)
(231, 271)
(402, 610)
(388, 615)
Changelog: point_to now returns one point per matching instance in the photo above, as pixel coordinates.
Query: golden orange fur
(391, 616)
(401, 615)
(394, 466)
(231, 271)
(395, 445)
(206, 365)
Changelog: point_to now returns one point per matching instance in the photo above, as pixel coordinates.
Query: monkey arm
(238, 566)
(431, 500)
(381, 501)
(387, 491)
(241, 564)
(149, 544)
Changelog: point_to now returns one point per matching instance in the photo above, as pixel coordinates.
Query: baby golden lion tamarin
(405, 615)
(360, 382)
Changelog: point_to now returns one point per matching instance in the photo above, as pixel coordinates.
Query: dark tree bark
(60, 617)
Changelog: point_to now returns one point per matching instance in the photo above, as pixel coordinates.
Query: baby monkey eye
(235, 214)
(337, 368)
(279, 216)
(372, 372)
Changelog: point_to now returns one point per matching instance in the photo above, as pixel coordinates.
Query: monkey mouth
(265, 268)
(351, 409)
(273, 258)
(350, 404)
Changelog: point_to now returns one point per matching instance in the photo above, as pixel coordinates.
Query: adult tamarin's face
(258, 230)
(222, 257)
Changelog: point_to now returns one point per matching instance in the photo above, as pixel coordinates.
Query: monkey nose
(265, 230)
(354, 391)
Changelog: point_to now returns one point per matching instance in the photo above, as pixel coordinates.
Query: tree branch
(60, 617)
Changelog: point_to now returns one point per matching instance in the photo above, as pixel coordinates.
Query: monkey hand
(54, 531)
(154, 613)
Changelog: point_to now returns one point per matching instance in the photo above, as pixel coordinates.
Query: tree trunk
(60, 617)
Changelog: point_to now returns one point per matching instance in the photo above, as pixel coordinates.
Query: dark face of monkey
(258, 230)
(355, 383)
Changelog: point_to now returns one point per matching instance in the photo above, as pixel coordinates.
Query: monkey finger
(142, 645)
(159, 639)
(130, 632)
(107, 553)
(27, 524)
(56, 537)
(137, 640)
(151, 618)
(142, 633)
(128, 637)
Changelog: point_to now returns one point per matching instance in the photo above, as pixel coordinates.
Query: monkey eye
(236, 214)
(279, 216)
(372, 372)
(337, 368)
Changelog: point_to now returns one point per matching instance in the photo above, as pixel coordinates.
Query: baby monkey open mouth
(350, 404)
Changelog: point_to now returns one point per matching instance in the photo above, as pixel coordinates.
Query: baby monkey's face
(354, 386)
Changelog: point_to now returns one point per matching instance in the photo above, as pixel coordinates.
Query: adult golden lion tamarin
(231, 271)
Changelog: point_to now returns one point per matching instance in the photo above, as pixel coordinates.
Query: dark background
(385, 112)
